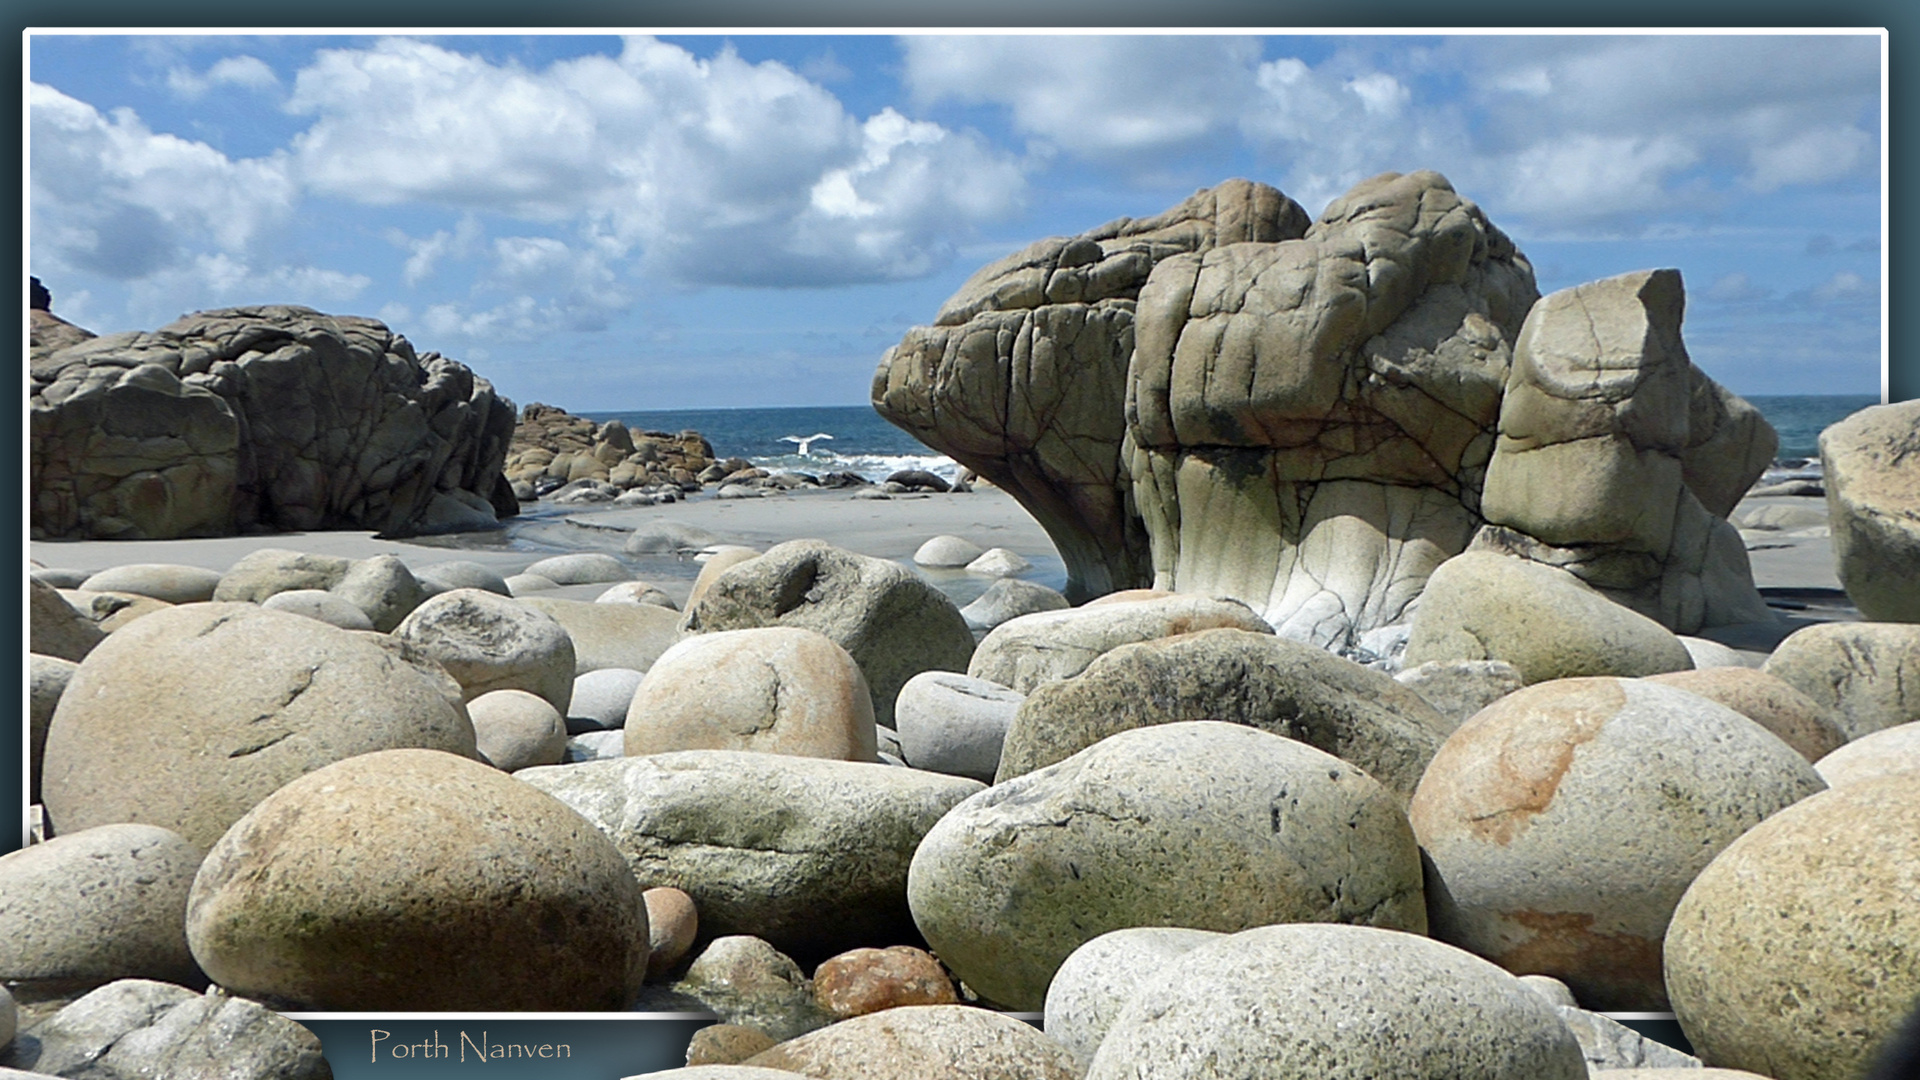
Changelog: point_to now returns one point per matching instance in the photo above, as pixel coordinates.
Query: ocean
(861, 442)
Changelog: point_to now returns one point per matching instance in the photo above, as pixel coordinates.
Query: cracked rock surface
(766, 843)
(1204, 825)
(1022, 376)
(276, 417)
(135, 1029)
(187, 717)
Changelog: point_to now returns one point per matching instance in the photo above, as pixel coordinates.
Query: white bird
(806, 444)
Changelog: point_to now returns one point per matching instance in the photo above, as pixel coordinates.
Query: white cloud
(1809, 157)
(424, 255)
(248, 72)
(1586, 176)
(716, 171)
(1094, 95)
(1842, 286)
(111, 197)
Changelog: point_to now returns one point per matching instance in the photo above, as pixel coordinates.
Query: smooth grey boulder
(1889, 750)
(1459, 688)
(1871, 462)
(139, 1029)
(1010, 598)
(773, 689)
(321, 606)
(163, 581)
(259, 418)
(596, 746)
(1000, 562)
(602, 697)
(752, 984)
(88, 907)
(582, 568)
(894, 624)
(716, 1072)
(949, 552)
(954, 724)
(1025, 652)
(1022, 377)
(514, 730)
(259, 574)
(1258, 680)
(1794, 952)
(47, 678)
(765, 843)
(523, 584)
(1519, 817)
(54, 628)
(58, 577)
(1202, 824)
(1711, 654)
(9, 1024)
(921, 1042)
(1543, 620)
(1099, 978)
(636, 592)
(188, 717)
(460, 574)
(488, 642)
(1867, 673)
(1335, 1003)
(383, 587)
(411, 879)
(611, 635)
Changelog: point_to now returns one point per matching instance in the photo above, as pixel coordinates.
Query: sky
(656, 222)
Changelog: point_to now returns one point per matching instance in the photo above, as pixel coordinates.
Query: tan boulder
(1028, 651)
(776, 690)
(1797, 719)
(1871, 464)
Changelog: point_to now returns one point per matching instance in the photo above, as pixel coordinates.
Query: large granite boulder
(1335, 1003)
(923, 1042)
(139, 1029)
(412, 879)
(1027, 652)
(1023, 375)
(893, 623)
(1259, 680)
(1562, 824)
(1618, 460)
(188, 717)
(1796, 952)
(1866, 673)
(1201, 824)
(1871, 461)
(274, 417)
(809, 854)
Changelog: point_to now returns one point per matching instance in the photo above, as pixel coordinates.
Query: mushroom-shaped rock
(775, 689)
(188, 717)
(1023, 375)
(1206, 825)
(1520, 816)
(767, 843)
(1335, 1003)
(1796, 952)
(894, 624)
(489, 642)
(1259, 680)
(409, 879)
(1871, 462)
(1311, 419)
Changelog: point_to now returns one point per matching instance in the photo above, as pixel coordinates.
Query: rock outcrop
(272, 417)
(1312, 418)
(1023, 375)
(551, 447)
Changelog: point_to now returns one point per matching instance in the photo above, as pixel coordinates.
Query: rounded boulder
(515, 730)
(777, 690)
(188, 717)
(408, 880)
(1796, 952)
(489, 642)
(1867, 673)
(1889, 750)
(925, 1042)
(1335, 1003)
(1565, 821)
(163, 581)
(1797, 719)
(1203, 824)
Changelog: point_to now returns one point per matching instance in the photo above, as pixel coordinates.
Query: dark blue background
(602, 1049)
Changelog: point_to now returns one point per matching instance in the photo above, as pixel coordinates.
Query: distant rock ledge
(259, 419)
